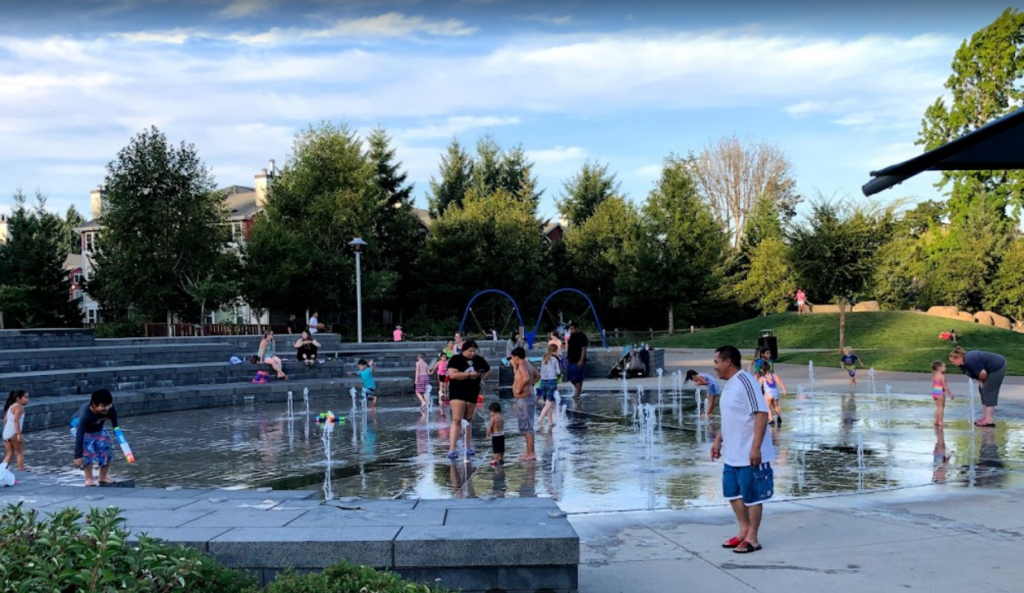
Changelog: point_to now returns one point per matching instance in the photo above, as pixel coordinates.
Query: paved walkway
(935, 538)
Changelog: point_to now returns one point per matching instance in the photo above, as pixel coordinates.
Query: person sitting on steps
(268, 353)
(307, 348)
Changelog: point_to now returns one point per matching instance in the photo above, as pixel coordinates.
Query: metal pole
(359, 301)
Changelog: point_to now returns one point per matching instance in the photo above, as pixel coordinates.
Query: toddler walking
(14, 423)
(496, 431)
(849, 363)
(940, 390)
(422, 378)
(93, 445)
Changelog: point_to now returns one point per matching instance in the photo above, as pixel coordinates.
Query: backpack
(261, 377)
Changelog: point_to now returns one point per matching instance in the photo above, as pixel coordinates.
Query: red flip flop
(732, 543)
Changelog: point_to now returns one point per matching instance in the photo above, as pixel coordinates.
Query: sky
(841, 90)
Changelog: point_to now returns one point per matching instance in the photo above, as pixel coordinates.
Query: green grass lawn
(891, 341)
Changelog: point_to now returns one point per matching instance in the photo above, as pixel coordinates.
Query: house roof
(93, 225)
(72, 261)
(996, 146)
(240, 202)
(424, 216)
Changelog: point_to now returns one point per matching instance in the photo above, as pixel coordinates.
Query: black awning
(996, 146)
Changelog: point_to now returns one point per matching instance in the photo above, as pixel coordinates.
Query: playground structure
(532, 335)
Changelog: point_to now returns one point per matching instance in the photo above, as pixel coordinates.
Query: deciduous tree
(734, 174)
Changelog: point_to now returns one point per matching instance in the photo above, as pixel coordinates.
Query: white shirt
(550, 369)
(313, 323)
(741, 399)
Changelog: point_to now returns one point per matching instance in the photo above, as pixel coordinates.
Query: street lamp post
(357, 244)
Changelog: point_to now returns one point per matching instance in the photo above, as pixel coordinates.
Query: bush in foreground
(63, 554)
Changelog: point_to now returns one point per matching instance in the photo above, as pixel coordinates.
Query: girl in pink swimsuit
(940, 390)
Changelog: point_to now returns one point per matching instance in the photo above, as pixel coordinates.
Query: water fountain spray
(352, 393)
(290, 410)
(871, 375)
(430, 400)
(305, 399)
(888, 405)
(810, 376)
(970, 397)
(860, 461)
(660, 373)
(326, 438)
(465, 440)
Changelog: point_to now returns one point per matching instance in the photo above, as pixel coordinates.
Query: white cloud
(243, 8)
(392, 24)
(649, 171)
(558, 154)
(173, 36)
(548, 20)
(455, 125)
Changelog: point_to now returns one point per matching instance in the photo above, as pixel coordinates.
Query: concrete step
(84, 381)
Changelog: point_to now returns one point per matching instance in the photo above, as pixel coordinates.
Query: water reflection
(594, 461)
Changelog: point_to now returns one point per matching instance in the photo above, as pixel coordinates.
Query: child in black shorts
(496, 430)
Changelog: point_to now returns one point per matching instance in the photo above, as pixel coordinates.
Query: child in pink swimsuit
(940, 389)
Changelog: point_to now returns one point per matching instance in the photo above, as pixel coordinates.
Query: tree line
(722, 235)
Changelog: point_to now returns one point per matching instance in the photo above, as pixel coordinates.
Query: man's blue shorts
(574, 373)
(753, 484)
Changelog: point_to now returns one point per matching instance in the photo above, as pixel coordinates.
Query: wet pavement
(597, 461)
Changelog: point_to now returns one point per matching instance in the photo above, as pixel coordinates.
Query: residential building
(4, 232)
(243, 204)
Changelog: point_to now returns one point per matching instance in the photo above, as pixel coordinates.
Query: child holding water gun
(93, 445)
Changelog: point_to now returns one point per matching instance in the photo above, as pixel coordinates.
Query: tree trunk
(671, 320)
(842, 323)
(202, 319)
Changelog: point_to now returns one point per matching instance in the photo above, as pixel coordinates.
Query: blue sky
(840, 90)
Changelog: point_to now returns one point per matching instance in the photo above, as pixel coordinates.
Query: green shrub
(344, 577)
(118, 329)
(64, 554)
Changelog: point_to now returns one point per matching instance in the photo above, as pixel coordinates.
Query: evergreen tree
(516, 176)
(770, 284)
(984, 85)
(72, 220)
(396, 227)
(163, 224)
(455, 179)
(487, 167)
(596, 251)
(34, 286)
(585, 191)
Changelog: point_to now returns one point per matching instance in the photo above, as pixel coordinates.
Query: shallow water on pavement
(596, 462)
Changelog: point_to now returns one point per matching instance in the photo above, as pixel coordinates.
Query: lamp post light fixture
(357, 245)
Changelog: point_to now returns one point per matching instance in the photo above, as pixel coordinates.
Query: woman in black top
(466, 371)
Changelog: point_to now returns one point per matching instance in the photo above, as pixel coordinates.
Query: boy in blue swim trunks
(849, 363)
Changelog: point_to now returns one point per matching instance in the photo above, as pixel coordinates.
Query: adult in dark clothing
(306, 348)
(466, 372)
(988, 369)
(576, 357)
(93, 444)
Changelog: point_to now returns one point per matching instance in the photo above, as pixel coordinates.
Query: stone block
(487, 545)
(827, 308)
(336, 518)
(508, 516)
(302, 547)
(947, 312)
(193, 537)
(1000, 321)
(965, 316)
(241, 518)
(535, 578)
(456, 578)
(866, 306)
(984, 318)
(137, 520)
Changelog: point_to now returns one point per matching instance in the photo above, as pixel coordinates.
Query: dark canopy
(996, 146)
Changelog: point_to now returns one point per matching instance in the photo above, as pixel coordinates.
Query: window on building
(77, 279)
(237, 232)
(90, 315)
(90, 240)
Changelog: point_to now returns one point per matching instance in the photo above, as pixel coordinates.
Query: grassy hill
(894, 341)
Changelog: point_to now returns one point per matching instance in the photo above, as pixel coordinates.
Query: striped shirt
(741, 400)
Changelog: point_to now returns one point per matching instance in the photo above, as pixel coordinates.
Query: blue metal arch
(483, 292)
(530, 336)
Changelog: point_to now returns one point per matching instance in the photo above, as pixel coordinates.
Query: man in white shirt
(745, 447)
(313, 323)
